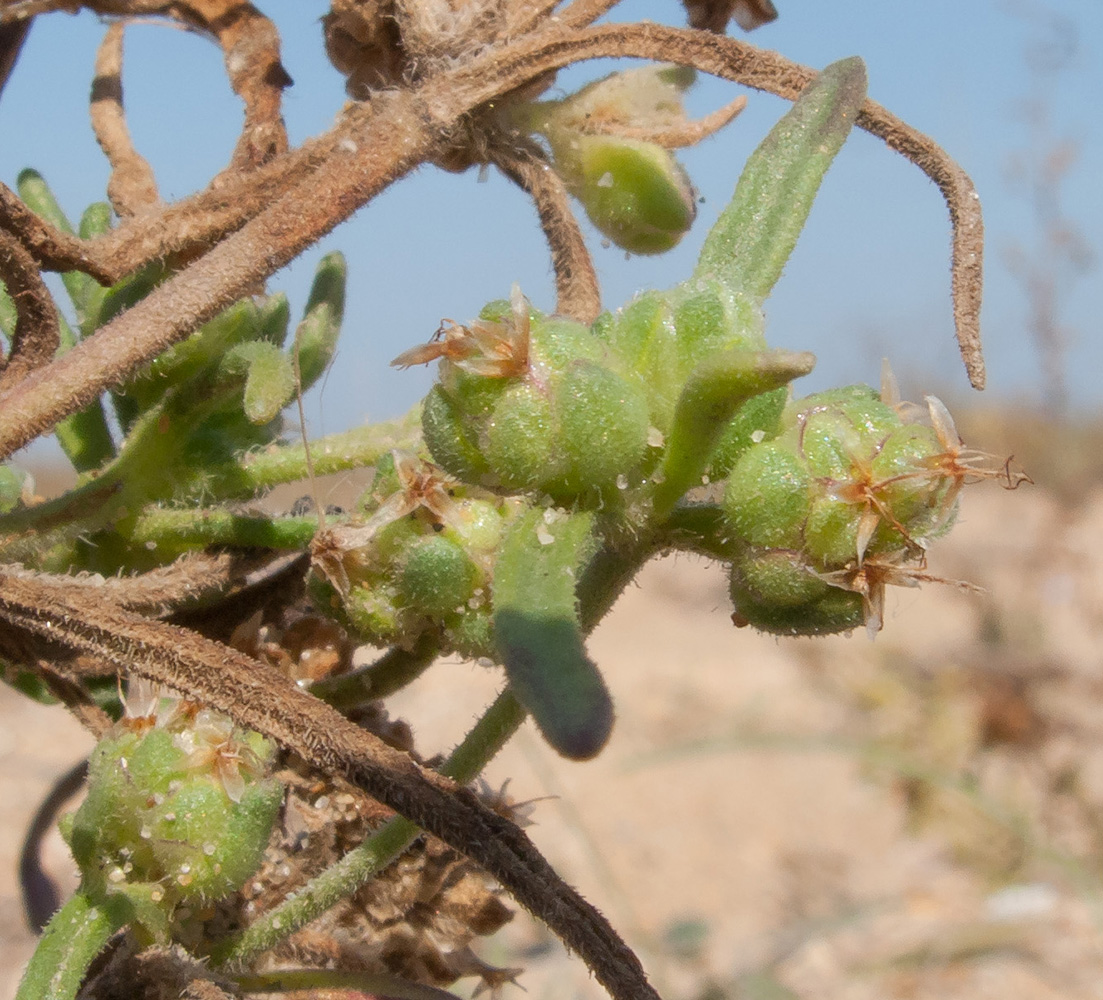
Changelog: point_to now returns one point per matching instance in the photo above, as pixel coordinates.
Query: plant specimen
(555, 455)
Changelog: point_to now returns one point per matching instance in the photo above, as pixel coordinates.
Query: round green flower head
(841, 501)
(422, 559)
(178, 808)
(532, 403)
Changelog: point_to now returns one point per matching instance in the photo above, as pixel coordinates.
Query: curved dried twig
(967, 265)
(577, 292)
(258, 697)
(41, 897)
(51, 248)
(390, 136)
(250, 45)
(36, 335)
(132, 187)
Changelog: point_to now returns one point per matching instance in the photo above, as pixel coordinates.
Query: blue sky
(869, 278)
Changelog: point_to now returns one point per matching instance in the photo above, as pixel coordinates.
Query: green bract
(178, 809)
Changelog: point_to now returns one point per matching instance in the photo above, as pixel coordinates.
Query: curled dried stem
(51, 248)
(967, 263)
(580, 13)
(132, 187)
(577, 292)
(36, 336)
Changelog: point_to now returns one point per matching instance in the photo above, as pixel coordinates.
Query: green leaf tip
(750, 243)
(538, 635)
(715, 389)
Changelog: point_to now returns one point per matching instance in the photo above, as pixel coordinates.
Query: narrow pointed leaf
(749, 245)
(316, 337)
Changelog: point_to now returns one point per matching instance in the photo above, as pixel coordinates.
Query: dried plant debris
(715, 15)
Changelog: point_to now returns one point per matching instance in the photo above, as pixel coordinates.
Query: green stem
(498, 723)
(188, 528)
(390, 673)
(72, 939)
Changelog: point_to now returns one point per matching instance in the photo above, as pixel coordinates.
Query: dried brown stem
(12, 37)
(524, 15)
(250, 45)
(967, 265)
(577, 292)
(132, 187)
(393, 136)
(41, 897)
(733, 60)
(51, 248)
(36, 336)
(581, 13)
(260, 698)
(194, 578)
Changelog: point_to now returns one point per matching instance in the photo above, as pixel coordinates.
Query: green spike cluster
(177, 810)
(422, 560)
(838, 501)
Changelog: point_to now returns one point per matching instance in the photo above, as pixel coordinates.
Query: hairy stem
(73, 938)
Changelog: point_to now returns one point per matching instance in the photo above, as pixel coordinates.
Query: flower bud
(633, 189)
(840, 502)
(532, 403)
(635, 193)
(177, 808)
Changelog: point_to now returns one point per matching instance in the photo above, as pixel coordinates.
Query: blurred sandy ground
(838, 818)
